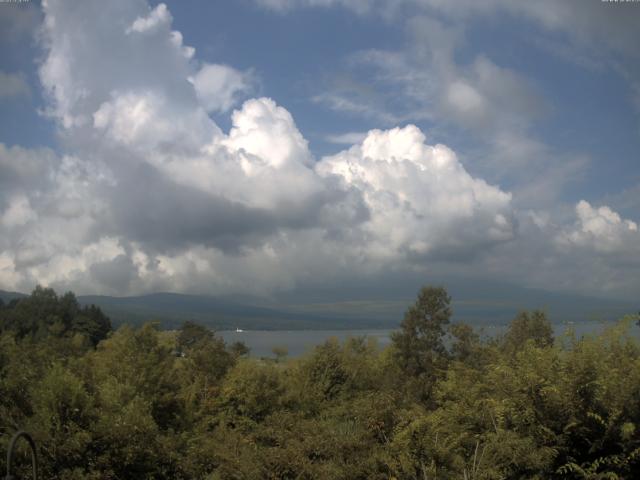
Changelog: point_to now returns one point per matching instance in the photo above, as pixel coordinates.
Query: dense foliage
(439, 403)
(44, 314)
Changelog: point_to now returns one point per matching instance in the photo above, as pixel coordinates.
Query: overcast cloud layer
(147, 192)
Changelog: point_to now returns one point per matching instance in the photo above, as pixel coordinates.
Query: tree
(252, 389)
(325, 371)
(526, 326)
(280, 353)
(93, 323)
(466, 343)
(419, 347)
(239, 349)
(207, 361)
(192, 333)
(44, 314)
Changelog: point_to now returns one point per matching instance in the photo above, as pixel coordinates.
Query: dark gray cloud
(150, 208)
(115, 275)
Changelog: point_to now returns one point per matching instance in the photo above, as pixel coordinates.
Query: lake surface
(298, 342)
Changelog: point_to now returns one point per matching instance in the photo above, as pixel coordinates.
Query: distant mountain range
(290, 313)
(8, 296)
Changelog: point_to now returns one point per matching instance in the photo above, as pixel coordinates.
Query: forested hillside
(142, 403)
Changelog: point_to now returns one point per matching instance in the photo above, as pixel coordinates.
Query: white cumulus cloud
(602, 230)
(220, 87)
(422, 200)
(158, 17)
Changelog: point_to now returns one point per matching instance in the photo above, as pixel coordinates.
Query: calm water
(298, 342)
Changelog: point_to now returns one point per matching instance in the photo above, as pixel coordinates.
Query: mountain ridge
(171, 309)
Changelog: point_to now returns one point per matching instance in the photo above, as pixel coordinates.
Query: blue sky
(286, 144)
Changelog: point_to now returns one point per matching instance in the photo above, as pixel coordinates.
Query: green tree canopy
(419, 347)
(529, 326)
(44, 313)
(520, 407)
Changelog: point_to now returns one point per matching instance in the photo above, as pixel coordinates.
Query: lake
(298, 342)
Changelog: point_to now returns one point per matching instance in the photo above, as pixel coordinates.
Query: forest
(441, 402)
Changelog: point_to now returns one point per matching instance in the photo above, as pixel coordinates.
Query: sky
(269, 146)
